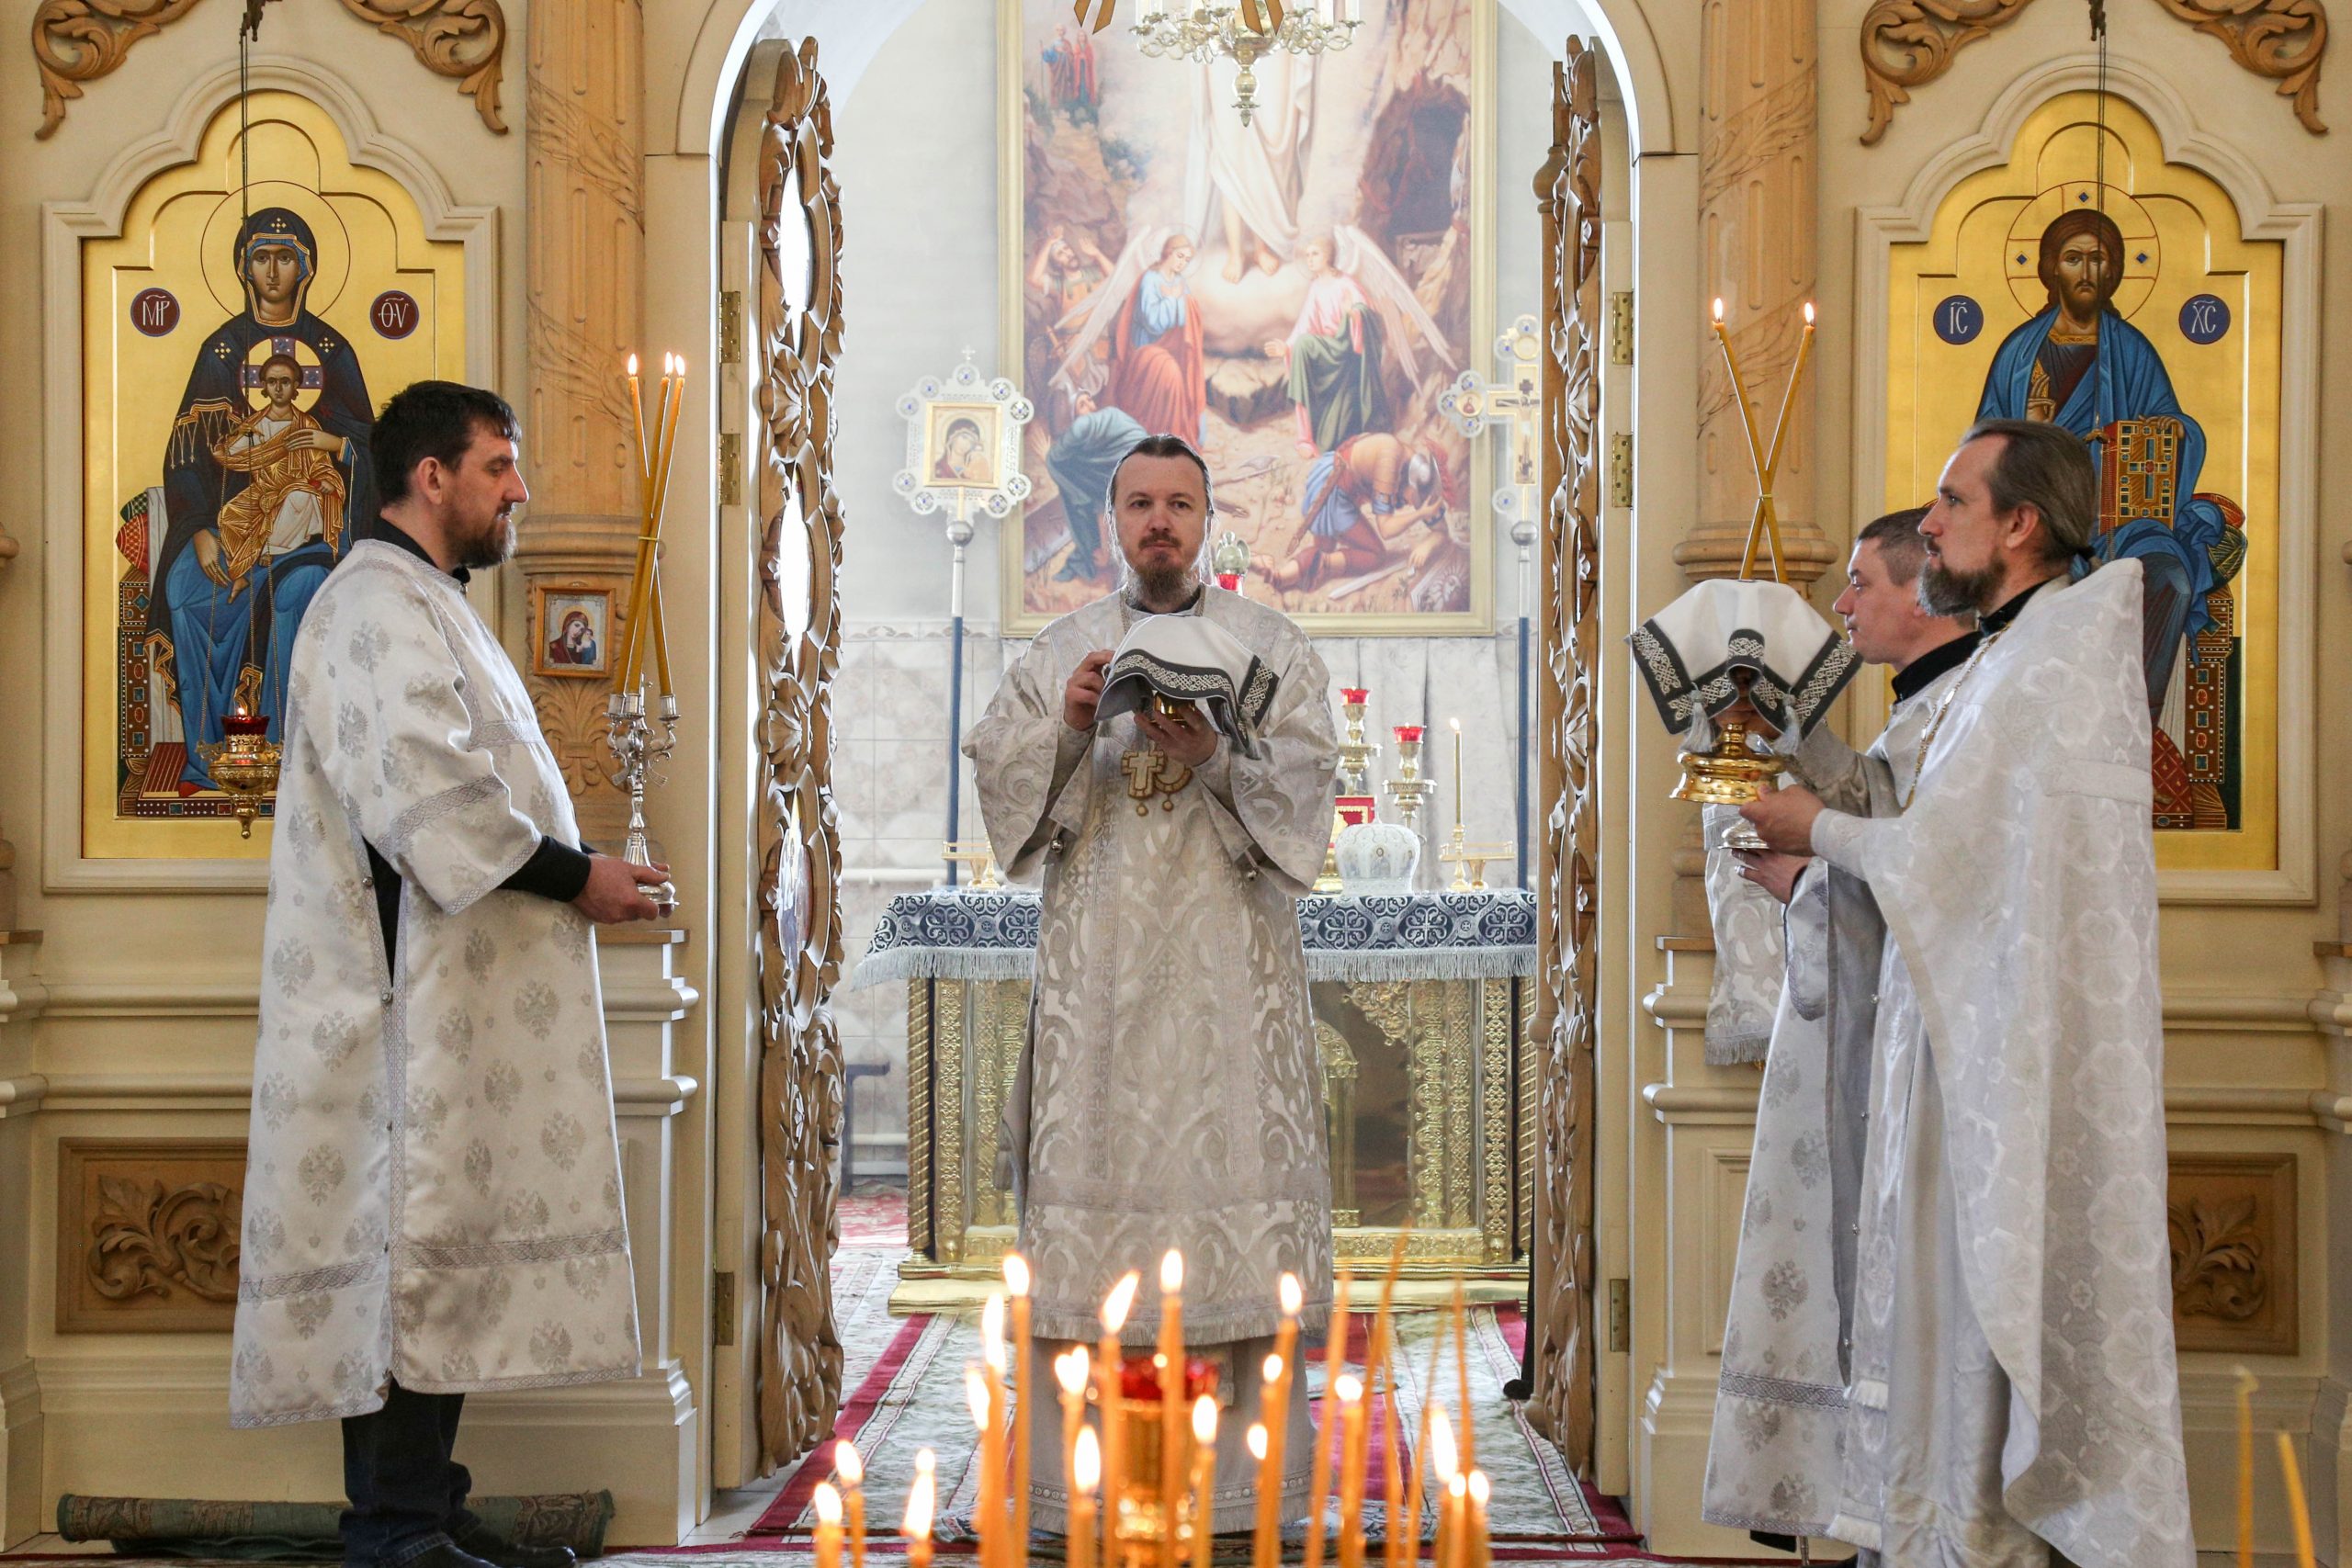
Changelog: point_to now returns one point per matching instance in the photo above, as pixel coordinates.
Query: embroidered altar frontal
(1421, 1007)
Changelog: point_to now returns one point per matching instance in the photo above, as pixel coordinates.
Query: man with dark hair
(1773, 1461)
(1168, 1095)
(2011, 1392)
(432, 1199)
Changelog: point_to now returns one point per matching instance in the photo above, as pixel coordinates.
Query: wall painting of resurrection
(2137, 315)
(1291, 296)
(235, 346)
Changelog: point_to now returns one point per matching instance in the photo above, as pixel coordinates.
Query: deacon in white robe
(2012, 1391)
(432, 1199)
(1170, 1095)
(1773, 1457)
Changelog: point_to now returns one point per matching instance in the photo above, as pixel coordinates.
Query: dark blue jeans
(408, 1494)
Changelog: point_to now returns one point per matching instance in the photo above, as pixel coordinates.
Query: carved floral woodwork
(76, 41)
(147, 1233)
(2281, 40)
(796, 941)
(2231, 1225)
(1562, 1358)
(1909, 43)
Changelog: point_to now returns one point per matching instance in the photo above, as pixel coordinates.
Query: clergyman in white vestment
(1772, 1459)
(1170, 1094)
(432, 1199)
(2013, 1393)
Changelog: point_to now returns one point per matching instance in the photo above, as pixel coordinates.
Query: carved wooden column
(586, 207)
(1759, 133)
(1568, 190)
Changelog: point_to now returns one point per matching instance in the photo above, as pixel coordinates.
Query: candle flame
(1457, 725)
(1294, 1295)
(1205, 1419)
(681, 367)
(1719, 307)
(919, 1496)
(976, 1394)
(1121, 1297)
(992, 1330)
(632, 366)
(1070, 1371)
(828, 1503)
(1458, 1487)
(1256, 1440)
(1808, 312)
(1086, 1460)
(1272, 1368)
(1016, 1273)
(847, 1464)
(1349, 1387)
(1443, 1458)
(2248, 1381)
(1478, 1489)
(1171, 1272)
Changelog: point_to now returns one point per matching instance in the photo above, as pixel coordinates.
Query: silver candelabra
(638, 748)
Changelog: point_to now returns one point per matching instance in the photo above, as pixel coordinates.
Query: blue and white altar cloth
(956, 933)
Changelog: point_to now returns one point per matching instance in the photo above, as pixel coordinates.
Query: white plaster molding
(1733, 1104)
(59, 1092)
(64, 225)
(22, 1096)
(2296, 225)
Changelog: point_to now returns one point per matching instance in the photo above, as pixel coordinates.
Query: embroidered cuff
(1838, 839)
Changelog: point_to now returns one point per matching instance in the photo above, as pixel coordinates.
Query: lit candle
(1432, 1419)
(1353, 1438)
(1457, 769)
(992, 1498)
(917, 1528)
(1456, 1528)
(850, 1468)
(1070, 1370)
(1204, 1479)
(1436, 1460)
(975, 1398)
(1110, 1369)
(1477, 1544)
(1263, 1545)
(1171, 1389)
(1377, 1370)
(1738, 391)
(1016, 1282)
(1085, 1473)
(660, 501)
(2246, 1386)
(828, 1526)
(2295, 1505)
(1335, 1349)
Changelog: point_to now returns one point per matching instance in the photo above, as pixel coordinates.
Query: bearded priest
(2013, 1392)
(1168, 1095)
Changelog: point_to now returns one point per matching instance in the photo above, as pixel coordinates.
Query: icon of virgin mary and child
(267, 474)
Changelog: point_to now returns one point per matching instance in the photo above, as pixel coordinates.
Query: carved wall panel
(2282, 39)
(147, 1233)
(797, 941)
(1907, 44)
(1568, 189)
(2231, 1219)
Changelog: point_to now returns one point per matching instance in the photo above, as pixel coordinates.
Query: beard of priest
(1169, 1093)
(2011, 1392)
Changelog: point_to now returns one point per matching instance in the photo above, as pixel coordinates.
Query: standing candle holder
(1355, 752)
(1409, 789)
(638, 747)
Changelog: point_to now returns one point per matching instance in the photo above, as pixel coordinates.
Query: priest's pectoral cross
(1153, 772)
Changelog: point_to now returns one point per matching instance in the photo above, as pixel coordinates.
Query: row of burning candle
(1095, 1465)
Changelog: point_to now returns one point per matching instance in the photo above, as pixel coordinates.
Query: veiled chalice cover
(1690, 652)
(1187, 659)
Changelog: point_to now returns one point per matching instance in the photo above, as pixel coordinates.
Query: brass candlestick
(1355, 752)
(629, 731)
(1409, 789)
(1469, 861)
(981, 858)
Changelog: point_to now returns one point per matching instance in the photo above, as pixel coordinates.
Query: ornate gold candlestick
(981, 858)
(1409, 789)
(244, 762)
(1355, 752)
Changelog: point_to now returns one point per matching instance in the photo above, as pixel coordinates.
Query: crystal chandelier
(1247, 30)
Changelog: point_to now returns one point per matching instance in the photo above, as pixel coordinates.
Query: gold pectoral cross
(1153, 772)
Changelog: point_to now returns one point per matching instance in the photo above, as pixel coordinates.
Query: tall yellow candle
(828, 1526)
(1263, 1544)
(1070, 1371)
(1379, 1375)
(850, 1468)
(1457, 769)
(1085, 1474)
(2246, 1386)
(1016, 1284)
(1327, 1435)
(992, 1498)
(1171, 1391)
(1462, 1365)
(1477, 1545)
(661, 503)
(920, 1502)
(1354, 1438)
(2296, 1508)
(1441, 1465)
(1204, 1479)
(1110, 1367)
(987, 1515)
(1456, 1528)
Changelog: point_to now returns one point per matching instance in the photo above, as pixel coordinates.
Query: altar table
(1422, 1005)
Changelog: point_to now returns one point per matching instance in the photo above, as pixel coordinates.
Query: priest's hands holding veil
(615, 890)
(1184, 735)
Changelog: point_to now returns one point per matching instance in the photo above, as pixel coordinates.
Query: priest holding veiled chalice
(1164, 758)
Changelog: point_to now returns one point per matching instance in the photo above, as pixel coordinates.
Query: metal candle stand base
(629, 731)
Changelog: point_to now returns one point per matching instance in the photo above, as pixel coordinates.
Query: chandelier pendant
(1246, 31)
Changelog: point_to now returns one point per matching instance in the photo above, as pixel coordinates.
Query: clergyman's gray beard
(1945, 592)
